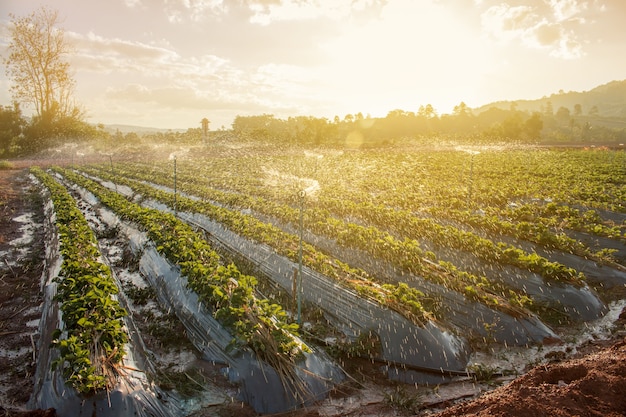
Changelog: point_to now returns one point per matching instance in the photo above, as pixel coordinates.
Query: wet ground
(21, 256)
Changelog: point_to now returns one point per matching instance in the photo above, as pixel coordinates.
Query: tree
(512, 126)
(11, 125)
(533, 126)
(427, 111)
(41, 77)
(563, 115)
(578, 110)
(548, 109)
(461, 110)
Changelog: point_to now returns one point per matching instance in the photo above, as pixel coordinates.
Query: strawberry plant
(257, 324)
(91, 344)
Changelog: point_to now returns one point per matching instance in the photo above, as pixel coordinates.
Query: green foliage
(187, 383)
(404, 402)
(385, 204)
(367, 345)
(139, 296)
(286, 244)
(255, 323)
(481, 372)
(92, 345)
(11, 126)
(6, 165)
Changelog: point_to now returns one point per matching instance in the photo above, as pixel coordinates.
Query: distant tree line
(462, 125)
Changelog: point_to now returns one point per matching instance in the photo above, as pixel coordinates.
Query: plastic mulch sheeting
(132, 396)
(429, 348)
(259, 384)
(432, 352)
(461, 314)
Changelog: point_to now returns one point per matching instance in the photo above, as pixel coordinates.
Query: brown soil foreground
(591, 384)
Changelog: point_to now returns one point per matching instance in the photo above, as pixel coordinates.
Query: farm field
(449, 268)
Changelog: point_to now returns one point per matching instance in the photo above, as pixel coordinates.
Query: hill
(605, 101)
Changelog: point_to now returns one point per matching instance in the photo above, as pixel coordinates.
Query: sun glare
(414, 54)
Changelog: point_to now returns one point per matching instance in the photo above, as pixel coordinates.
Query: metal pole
(175, 199)
(301, 195)
(471, 177)
(112, 172)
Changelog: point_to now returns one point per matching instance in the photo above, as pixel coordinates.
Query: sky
(170, 63)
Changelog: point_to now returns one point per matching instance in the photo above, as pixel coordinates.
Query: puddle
(15, 353)
(20, 247)
(33, 323)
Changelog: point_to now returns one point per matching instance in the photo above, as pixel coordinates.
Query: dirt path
(21, 255)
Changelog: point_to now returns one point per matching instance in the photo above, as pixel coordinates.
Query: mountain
(138, 129)
(607, 100)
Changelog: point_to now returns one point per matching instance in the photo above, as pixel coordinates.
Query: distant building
(205, 130)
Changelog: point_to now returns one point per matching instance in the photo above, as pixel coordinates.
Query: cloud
(567, 9)
(158, 75)
(508, 22)
(267, 12)
(166, 97)
(97, 53)
(262, 12)
(132, 3)
(556, 26)
(561, 43)
(177, 106)
(182, 11)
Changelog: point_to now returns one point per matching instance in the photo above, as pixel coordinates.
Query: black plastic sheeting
(579, 303)
(597, 274)
(461, 314)
(259, 384)
(430, 348)
(133, 395)
(435, 351)
(353, 315)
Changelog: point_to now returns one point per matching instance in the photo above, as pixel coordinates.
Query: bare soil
(591, 383)
(20, 297)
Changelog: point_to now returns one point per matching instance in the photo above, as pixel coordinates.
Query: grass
(404, 402)
(6, 165)
(187, 383)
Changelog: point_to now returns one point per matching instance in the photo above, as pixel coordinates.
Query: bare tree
(35, 64)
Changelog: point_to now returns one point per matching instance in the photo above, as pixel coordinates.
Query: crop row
(256, 323)
(401, 222)
(509, 195)
(512, 185)
(93, 348)
(410, 302)
(404, 253)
